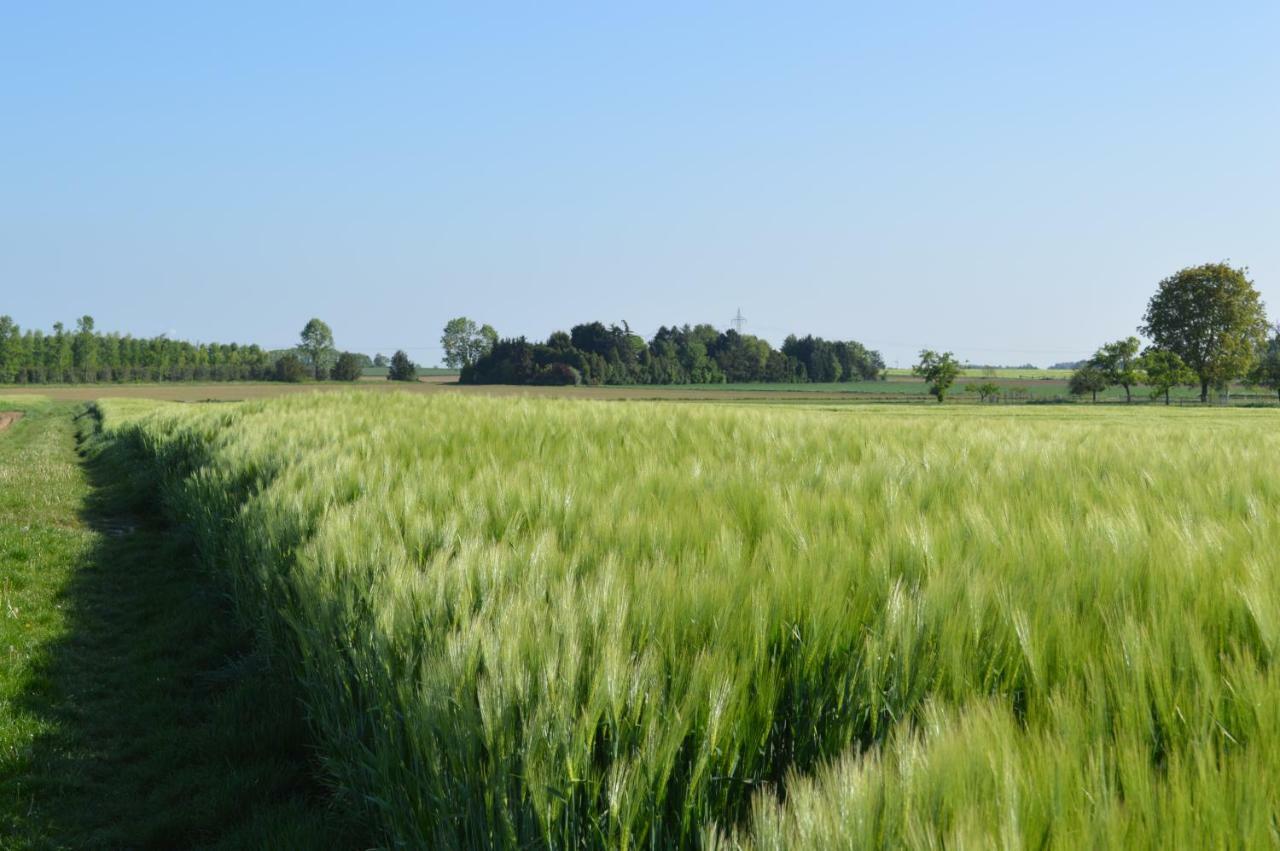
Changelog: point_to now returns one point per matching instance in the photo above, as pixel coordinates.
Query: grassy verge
(131, 711)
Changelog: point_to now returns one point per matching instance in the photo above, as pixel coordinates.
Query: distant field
(1027, 374)
(903, 388)
(423, 371)
(898, 389)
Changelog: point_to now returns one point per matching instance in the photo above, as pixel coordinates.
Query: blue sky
(1009, 181)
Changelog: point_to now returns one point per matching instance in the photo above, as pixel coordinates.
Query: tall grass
(575, 624)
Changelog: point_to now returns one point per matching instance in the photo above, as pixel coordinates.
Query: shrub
(558, 374)
(290, 368)
(402, 369)
(346, 368)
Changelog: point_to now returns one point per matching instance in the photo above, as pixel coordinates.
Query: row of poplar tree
(83, 354)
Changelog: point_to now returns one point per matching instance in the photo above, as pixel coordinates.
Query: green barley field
(540, 623)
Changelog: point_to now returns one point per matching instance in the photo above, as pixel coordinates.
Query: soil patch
(8, 418)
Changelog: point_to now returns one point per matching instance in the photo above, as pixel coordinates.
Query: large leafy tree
(1163, 370)
(939, 370)
(1210, 316)
(465, 342)
(1118, 361)
(317, 344)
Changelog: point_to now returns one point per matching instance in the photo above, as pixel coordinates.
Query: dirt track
(8, 418)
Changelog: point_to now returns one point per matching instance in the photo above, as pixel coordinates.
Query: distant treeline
(594, 353)
(85, 355)
(971, 365)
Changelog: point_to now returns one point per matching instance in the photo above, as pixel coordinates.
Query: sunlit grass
(570, 624)
(131, 713)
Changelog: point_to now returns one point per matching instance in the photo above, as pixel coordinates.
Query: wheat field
(532, 622)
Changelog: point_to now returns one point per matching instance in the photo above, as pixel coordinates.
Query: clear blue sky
(1009, 181)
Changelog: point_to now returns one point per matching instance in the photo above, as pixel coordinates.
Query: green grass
(534, 623)
(133, 713)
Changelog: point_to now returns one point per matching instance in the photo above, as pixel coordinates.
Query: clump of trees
(347, 367)
(290, 368)
(1212, 318)
(595, 353)
(319, 358)
(1208, 327)
(1113, 365)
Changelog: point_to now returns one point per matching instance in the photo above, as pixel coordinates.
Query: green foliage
(402, 369)
(552, 624)
(824, 360)
(1163, 370)
(1266, 370)
(938, 370)
(290, 368)
(1210, 316)
(11, 350)
(696, 354)
(986, 390)
(1088, 379)
(1118, 363)
(465, 342)
(346, 368)
(132, 714)
(33, 357)
(317, 347)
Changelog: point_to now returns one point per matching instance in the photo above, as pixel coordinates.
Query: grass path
(131, 714)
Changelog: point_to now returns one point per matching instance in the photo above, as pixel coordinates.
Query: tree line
(84, 355)
(1207, 326)
(595, 353)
